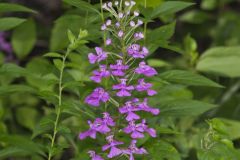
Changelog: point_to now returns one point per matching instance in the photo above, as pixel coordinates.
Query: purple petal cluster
(100, 125)
(124, 89)
(121, 66)
(136, 51)
(98, 57)
(146, 70)
(102, 73)
(97, 96)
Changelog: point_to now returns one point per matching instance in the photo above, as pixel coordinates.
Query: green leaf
(162, 150)
(6, 90)
(10, 7)
(53, 55)
(181, 107)
(71, 37)
(219, 152)
(10, 68)
(21, 142)
(82, 5)
(150, 3)
(159, 37)
(223, 61)
(13, 152)
(228, 127)
(24, 38)
(10, 23)
(157, 63)
(45, 78)
(59, 37)
(58, 64)
(169, 7)
(27, 121)
(187, 78)
(45, 125)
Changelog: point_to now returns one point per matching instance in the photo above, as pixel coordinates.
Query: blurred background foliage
(194, 44)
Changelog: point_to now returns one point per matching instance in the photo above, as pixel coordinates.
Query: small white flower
(140, 22)
(136, 13)
(120, 34)
(109, 4)
(127, 3)
(104, 27)
(109, 22)
(104, 6)
(108, 41)
(120, 15)
(116, 3)
(117, 24)
(133, 3)
(132, 24)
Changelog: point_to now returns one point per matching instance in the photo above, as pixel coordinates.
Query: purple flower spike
(94, 156)
(129, 109)
(135, 131)
(101, 55)
(145, 128)
(136, 51)
(132, 149)
(114, 151)
(118, 69)
(144, 107)
(145, 70)
(102, 73)
(143, 86)
(99, 94)
(124, 89)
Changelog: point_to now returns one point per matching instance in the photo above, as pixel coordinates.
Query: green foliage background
(195, 45)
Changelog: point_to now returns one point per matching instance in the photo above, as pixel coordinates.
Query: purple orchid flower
(102, 73)
(135, 130)
(99, 94)
(114, 151)
(144, 128)
(143, 86)
(136, 51)
(123, 88)
(129, 109)
(132, 149)
(101, 55)
(99, 125)
(118, 69)
(144, 107)
(145, 70)
(94, 156)
(92, 132)
(107, 119)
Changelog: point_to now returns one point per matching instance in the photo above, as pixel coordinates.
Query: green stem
(145, 25)
(145, 32)
(58, 108)
(103, 21)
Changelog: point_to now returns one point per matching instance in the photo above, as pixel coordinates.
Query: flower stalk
(125, 64)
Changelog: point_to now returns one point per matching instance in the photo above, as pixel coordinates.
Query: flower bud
(132, 24)
(109, 22)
